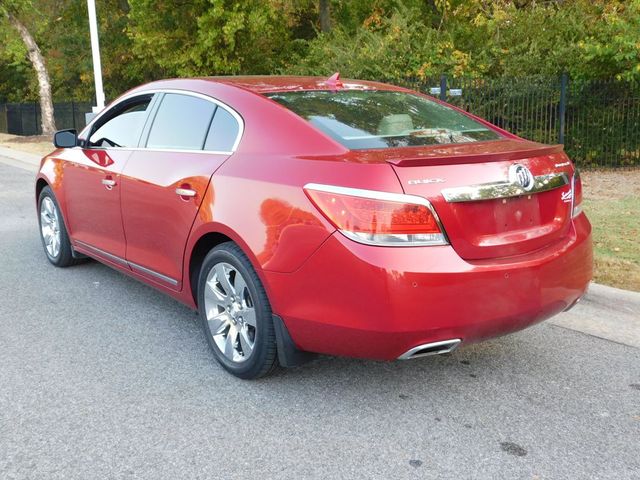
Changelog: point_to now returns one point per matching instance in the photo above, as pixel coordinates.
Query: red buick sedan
(302, 215)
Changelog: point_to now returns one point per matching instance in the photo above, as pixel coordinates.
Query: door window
(223, 132)
(181, 123)
(123, 128)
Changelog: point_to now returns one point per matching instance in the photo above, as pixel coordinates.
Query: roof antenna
(334, 81)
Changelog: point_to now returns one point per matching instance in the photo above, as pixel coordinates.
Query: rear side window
(223, 133)
(383, 119)
(122, 129)
(181, 123)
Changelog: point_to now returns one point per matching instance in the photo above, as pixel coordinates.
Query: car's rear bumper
(378, 302)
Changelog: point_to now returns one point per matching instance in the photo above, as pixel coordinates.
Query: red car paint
(510, 262)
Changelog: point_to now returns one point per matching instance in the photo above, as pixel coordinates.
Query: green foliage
(384, 48)
(475, 38)
(209, 37)
(142, 40)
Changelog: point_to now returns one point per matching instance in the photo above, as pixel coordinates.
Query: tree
(209, 38)
(325, 16)
(11, 10)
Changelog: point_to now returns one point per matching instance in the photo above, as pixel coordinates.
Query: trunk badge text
(521, 175)
(426, 180)
(567, 196)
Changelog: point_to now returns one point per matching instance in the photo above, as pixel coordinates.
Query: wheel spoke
(54, 245)
(46, 234)
(48, 206)
(245, 342)
(229, 344)
(213, 296)
(44, 219)
(218, 323)
(249, 316)
(223, 279)
(239, 286)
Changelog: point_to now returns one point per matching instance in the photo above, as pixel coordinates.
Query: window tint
(223, 133)
(124, 129)
(182, 122)
(383, 119)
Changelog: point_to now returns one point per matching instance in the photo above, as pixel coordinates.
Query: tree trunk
(37, 60)
(325, 16)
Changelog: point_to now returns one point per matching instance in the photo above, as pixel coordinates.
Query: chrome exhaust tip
(573, 304)
(434, 348)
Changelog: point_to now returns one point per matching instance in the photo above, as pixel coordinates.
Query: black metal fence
(597, 121)
(25, 118)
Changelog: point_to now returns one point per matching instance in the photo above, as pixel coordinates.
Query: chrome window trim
(503, 189)
(202, 96)
(392, 197)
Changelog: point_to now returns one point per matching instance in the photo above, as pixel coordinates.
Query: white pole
(95, 53)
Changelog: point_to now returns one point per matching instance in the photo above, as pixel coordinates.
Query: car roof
(264, 84)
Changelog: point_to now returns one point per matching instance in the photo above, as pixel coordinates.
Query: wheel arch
(288, 353)
(202, 242)
(41, 182)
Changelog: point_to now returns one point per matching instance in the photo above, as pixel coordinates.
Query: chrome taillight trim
(391, 197)
(504, 189)
(576, 208)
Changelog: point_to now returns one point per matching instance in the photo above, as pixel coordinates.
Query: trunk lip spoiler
(441, 158)
(504, 189)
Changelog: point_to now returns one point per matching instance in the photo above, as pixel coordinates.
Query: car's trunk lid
(477, 192)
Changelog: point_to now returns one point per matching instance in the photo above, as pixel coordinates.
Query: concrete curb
(605, 312)
(597, 290)
(19, 159)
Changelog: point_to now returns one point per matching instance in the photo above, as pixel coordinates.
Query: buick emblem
(521, 176)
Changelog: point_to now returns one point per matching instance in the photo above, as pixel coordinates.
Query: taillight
(577, 194)
(378, 218)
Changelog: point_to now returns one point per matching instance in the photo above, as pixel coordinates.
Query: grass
(612, 204)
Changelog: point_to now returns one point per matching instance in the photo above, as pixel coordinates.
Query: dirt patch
(37, 144)
(610, 184)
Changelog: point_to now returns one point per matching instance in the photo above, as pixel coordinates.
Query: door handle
(185, 192)
(108, 182)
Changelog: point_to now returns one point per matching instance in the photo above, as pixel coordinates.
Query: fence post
(562, 108)
(443, 88)
(73, 113)
(35, 114)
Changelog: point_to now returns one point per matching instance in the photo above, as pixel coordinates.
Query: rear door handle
(185, 192)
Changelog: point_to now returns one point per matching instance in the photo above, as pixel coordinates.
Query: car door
(163, 183)
(92, 179)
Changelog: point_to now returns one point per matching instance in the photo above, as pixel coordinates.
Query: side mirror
(65, 138)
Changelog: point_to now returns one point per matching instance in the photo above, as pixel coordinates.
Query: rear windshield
(383, 119)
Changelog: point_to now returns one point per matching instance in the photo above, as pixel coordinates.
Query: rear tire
(54, 236)
(235, 313)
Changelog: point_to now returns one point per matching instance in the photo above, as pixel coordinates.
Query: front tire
(235, 313)
(54, 236)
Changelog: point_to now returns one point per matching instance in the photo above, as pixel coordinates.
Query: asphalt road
(103, 377)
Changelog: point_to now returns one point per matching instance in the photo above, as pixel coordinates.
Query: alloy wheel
(50, 226)
(230, 312)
